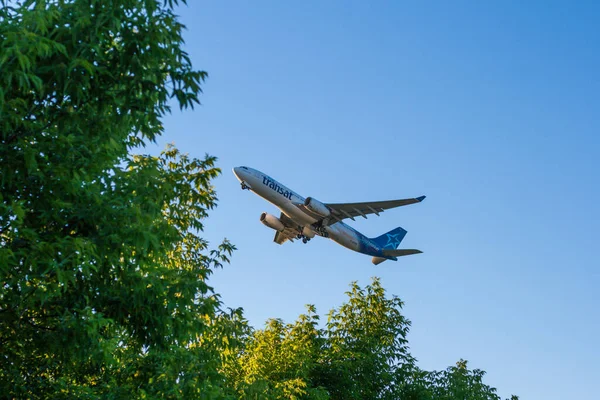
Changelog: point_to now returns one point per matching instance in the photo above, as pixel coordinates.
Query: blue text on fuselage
(274, 186)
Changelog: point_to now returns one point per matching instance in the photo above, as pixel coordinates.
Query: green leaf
(30, 162)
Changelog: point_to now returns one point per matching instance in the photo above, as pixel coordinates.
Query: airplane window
(244, 168)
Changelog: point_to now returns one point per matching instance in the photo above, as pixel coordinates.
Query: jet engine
(272, 222)
(317, 207)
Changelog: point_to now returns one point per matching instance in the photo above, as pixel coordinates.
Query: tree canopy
(360, 353)
(102, 267)
(104, 273)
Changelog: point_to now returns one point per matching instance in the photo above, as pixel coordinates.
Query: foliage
(102, 269)
(361, 353)
(455, 382)
(366, 342)
(460, 382)
(277, 361)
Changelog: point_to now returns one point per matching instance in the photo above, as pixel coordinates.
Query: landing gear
(320, 229)
(244, 186)
(300, 235)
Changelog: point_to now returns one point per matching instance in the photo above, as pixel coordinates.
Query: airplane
(304, 218)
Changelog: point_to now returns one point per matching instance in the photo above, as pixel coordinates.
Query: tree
(361, 353)
(458, 382)
(355, 356)
(277, 362)
(366, 344)
(102, 269)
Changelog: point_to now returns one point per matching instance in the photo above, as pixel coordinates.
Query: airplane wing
(341, 211)
(290, 231)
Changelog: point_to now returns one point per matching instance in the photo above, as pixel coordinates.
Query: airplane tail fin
(390, 240)
(389, 243)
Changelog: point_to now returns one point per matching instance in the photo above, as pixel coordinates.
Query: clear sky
(491, 109)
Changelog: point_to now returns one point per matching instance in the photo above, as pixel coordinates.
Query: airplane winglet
(421, 198)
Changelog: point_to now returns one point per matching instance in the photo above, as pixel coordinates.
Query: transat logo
(393, 240)
(275, 186)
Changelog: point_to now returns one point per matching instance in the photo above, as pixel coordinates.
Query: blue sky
(491, 109)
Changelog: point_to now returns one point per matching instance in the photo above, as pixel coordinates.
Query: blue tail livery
(390, 240)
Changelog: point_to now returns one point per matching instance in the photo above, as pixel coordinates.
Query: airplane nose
(236, 171)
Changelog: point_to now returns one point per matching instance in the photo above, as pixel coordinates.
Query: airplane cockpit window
(246, 168)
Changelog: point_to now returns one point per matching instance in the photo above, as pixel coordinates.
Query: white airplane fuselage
(287, 201)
